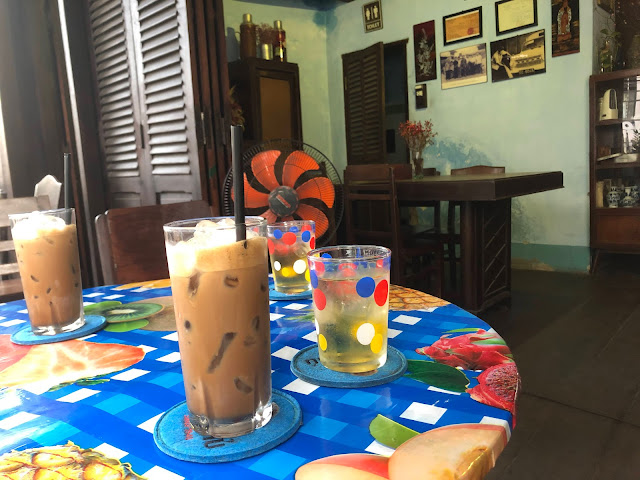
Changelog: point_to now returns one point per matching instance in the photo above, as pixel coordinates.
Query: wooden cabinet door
(364, 113)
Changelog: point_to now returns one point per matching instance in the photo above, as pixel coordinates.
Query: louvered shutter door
(363, 76)
(166, 98)
(119, 115)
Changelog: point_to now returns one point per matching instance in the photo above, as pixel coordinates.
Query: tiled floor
(576, 340)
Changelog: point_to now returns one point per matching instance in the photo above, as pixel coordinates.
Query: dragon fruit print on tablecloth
(499, 382)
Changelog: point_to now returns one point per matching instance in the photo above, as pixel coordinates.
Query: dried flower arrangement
(266, 33)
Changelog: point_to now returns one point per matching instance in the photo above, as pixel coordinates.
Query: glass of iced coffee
(351, 306)
(46, 246)
(289, 243)
(221, 299)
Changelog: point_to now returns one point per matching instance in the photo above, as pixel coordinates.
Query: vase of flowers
(266, 34)
(418, 135)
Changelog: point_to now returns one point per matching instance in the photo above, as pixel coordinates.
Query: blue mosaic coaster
(171, 438)
(306, 366)
(92, 323)
(275, 295)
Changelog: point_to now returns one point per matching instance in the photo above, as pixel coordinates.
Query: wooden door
(363, 78)
(147, 122)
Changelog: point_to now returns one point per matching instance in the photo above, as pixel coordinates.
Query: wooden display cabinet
(269, 93)
(614, 229)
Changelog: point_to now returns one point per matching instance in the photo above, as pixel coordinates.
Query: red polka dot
(319, 299)
(319, 268)
(289, 238)
(312, 243)
(348, 272)
(272, 247)
(381, 293)
(380, 263)
(306, 228)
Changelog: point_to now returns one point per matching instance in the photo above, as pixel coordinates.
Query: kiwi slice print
(128, 312)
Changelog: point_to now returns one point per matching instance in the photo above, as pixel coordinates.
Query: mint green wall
(527, 124)
(306, 46)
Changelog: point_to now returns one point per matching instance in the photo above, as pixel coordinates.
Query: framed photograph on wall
(463, 66)
(518, 56)
(512, 15)
(608, 5)
(565, 27)
(462, 26)
(424, 50)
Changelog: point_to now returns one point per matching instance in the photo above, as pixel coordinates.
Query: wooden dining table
(485, 225)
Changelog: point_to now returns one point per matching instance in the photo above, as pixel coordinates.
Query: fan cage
(287, 146)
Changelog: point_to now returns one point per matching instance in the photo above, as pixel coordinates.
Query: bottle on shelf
(279, 42)
(248, 37)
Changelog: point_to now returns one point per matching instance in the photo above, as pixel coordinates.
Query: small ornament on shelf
(266, 36)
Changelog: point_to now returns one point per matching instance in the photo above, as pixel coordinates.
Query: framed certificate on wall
(462, 26)
(512, 15)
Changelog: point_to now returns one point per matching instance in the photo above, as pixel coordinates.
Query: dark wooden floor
(576, 341)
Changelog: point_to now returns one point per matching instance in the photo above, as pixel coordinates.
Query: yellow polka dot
(288, 272)
(322, 342)
(376, 343)
(307, 276)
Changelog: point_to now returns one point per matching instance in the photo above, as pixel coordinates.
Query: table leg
(485, 243)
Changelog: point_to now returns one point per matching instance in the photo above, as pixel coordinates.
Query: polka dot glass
(289, 243)
(351, 306)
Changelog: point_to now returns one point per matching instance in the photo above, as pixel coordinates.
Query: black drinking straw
(67, 187)
(238, 181)
(67, 180)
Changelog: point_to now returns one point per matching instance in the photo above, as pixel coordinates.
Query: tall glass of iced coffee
(221, 299)
(46, 246)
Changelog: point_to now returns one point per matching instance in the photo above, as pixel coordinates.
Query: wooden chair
(372, 217)
(452, 235)
(10, 284)
(131, 240)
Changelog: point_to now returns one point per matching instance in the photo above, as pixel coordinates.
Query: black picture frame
(534, 4)
(453, 16)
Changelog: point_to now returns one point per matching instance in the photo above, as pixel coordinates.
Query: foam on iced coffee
(35, 225)
(214, 248)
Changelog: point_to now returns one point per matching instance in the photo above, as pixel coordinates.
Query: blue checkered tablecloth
(117, 417)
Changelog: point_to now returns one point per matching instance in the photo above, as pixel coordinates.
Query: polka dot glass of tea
(351, 305)
(289, 243)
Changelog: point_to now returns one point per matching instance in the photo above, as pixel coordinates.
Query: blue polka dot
(314, 279)
(294, 229)
(277, 234)
(326, 255)
(365, 287)
(306, 236)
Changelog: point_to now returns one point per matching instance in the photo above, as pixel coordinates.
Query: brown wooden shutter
(166, 98)
(363, 77)
(119, 115)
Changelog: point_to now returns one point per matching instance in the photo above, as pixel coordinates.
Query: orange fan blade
(252, 197)
(262, 165)
(307, 212)
(295, 165)
(270, 216)
(320, 188)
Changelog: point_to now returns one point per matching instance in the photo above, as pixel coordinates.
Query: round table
(107, 390)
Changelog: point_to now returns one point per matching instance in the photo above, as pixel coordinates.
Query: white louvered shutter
(166, 98)
(147, 123)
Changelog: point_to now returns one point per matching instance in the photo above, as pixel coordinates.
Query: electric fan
(289, 180)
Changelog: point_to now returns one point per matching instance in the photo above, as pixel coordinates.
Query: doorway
(375, 103)
(396, 100)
